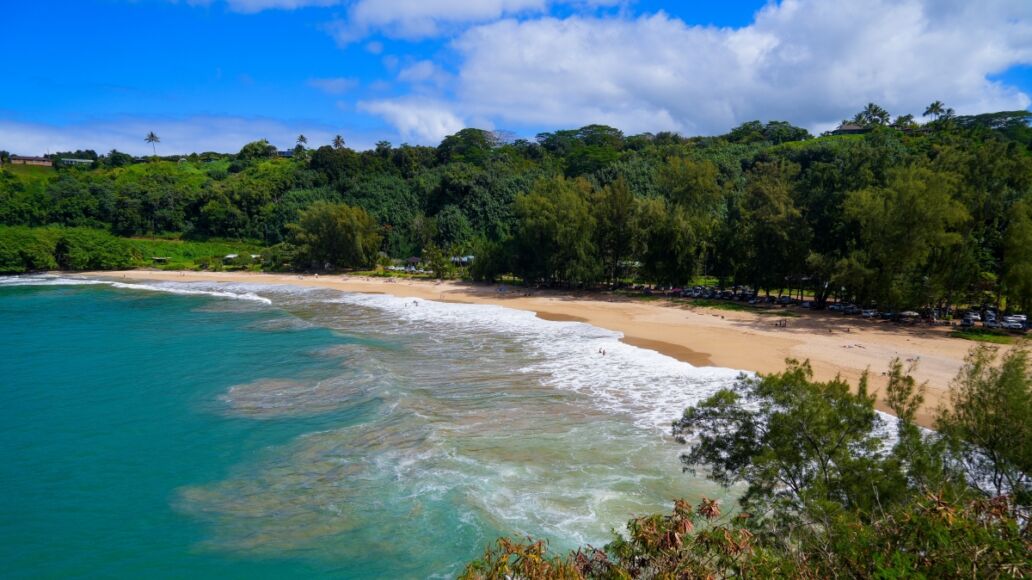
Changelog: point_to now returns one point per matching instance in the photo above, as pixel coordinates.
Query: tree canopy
(902, 216)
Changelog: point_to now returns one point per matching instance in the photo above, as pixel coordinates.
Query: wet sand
(751, 341)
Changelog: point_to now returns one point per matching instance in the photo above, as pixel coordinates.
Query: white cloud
(193, 134)
(252, 6)
(415, 19)
(423, 72)
(811, 62)
(333, 86)
(419, 120)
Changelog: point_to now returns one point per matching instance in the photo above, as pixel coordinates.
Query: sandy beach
(834, 344)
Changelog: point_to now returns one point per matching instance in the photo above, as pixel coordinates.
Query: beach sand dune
(834, 345)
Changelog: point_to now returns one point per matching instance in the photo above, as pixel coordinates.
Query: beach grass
(983, 335)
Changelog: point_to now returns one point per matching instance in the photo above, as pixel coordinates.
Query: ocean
(182, 429)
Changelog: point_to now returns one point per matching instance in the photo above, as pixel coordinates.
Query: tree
(872, 116)
(438, 262)
(904, 122)
(801, 446)
(823, 499)
(554, 231)
(665, 242)
(936, 109)
(469, 145)
(988, 423)
(335, 164)
(116, 158)
(153, 139)
(300, 152)
(775, 236)
(338, 142)
(336, 235)
(453, 227)
(1017, 257)
(901, 228)
(255, 150)
(613, 208)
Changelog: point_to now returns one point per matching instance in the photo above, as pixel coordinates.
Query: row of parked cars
(987, 317)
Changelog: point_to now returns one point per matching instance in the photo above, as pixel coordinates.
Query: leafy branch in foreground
(988, 424)
(828, 491)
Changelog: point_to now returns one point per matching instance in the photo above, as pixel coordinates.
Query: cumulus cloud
(423, 72)
(420, 120)
(333, 86)
(808, 61)
(416, 19)
(178, 136)
(811, 62)
(252, 6)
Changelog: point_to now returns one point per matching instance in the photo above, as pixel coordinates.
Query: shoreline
(700, 336)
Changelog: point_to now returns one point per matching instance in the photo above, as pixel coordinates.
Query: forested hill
(893, 213)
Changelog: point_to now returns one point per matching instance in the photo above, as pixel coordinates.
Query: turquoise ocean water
(188, 430)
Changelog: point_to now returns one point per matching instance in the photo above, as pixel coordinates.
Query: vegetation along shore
(856, 270)
(750, 340)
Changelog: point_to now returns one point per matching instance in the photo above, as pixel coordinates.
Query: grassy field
(31, 171)
(983, 335)
(187, 255)
(33, 177)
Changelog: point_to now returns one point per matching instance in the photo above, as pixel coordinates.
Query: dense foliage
(27, 249)
(899, 215)
(825, 495)
(24, 249)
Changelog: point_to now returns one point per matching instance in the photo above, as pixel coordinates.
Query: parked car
(837, 307)
(888, 315)
(1014, 322)
(869, 313)
(973, 316)
(851, 310)
(806, 304)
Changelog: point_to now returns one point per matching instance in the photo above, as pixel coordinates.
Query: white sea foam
(183, 288)
(652, 387)
(45, 280)
(188, 289)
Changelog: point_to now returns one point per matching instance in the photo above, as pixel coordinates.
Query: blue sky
(212, 75)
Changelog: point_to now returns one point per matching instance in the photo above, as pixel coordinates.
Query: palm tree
(152, 139)
(338, 142)
(871, 116)
(904, 122)
(936, 109)
(299, 149)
